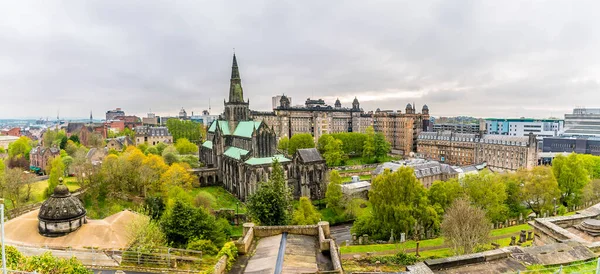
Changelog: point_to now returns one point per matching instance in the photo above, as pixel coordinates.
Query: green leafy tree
(487, 191)
(144, 234)
(74, 138)
(284, 144)
(161, 148)
(299, 141)
(49, 137)
(142, 146)
(184, 222)
(334, 156)
(152, 150)
(193, 131)
(306, 213)
(514, 199)
(323, 142)
(572, 177)
(540, 189)
(353, 142)
(20, 148)
(369, 145)
(592, 165)
(400, 204)
(184, 146)
(334, 195)
(67, 162)
(57, 171)
(382, 147)
(442, 194)
(591, 191)
(271, 204)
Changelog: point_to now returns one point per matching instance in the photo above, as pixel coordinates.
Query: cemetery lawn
(37, 192)
(500, 236)
(362, 178)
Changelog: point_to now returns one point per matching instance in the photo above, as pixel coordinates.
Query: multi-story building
(457, 128)
(239, 152)
(150, 120)
(111, 114)
(581, 145)
(498, 151)
(276, 99)
(39, 157)
(523, 126)
(318, 118)
(583, 122)
(152, 135)
(206, 118)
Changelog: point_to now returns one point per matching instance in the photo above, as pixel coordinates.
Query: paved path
(265, 256)
(341, 233)
(300, 254)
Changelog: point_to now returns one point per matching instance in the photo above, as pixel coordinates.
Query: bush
(561, 210)
(399, 259)
(206, 246)
(204, 199)
(231, 252)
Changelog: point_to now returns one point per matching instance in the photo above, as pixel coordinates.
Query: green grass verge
(362, 178)
(37, 192)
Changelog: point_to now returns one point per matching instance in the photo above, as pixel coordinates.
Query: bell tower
(236, 109)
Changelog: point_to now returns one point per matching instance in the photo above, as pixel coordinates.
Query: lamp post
(2, 225)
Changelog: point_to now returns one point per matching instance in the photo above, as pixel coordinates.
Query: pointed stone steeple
(236, 93)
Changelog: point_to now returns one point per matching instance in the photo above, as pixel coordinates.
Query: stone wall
(554, 229)
(221, 265)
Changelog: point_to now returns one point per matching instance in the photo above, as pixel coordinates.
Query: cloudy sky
(478, 58)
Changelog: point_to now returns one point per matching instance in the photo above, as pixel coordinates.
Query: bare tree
(14, 181)
(465, 226)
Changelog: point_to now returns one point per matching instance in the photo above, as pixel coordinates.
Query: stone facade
(152, 135)
(317, 118)
(40, 156)
(240, 152)
(498, 151)
(119, 143)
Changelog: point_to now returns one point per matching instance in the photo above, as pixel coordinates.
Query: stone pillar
(325, 226)
(246, 227)
(522, 236)
(530, 235)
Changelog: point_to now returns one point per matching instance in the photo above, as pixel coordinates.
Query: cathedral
(238, 152)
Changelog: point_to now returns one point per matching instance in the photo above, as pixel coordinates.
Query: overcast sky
(477, 58)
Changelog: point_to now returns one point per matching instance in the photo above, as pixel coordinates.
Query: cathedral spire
(236, 93)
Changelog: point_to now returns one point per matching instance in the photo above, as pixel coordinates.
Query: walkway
(300, 254)
(265, 256)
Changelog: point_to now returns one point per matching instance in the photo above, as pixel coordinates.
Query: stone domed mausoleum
(61, 213)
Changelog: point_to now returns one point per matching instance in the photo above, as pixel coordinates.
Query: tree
(14, 180)
(400, 204)
(299, 141)
(184, 146)
(382, 147)
(71, 147)
(193, 131)
(271, 204)
(442, 194)
(487, 191)
(49, 137)
(465, 227)
(369, 144)
(284, 144)
(591, 191)
(306, 214)
(178, 175)
(334, 156)
(74, 138)
(57, 171)
(144, 234)
(170, 155)
(95, 140)
(540, 189)
(67, 162)
(152, 150)
(592, 165)
(571, 176)
(334, 194)
(184, 222)
(20, 148)
(323, 142)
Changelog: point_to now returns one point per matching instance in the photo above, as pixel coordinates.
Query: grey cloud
(480, 58)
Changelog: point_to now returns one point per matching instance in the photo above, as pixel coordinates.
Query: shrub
(399, 259)
(204, 199)
(231, 252)
(206, 246)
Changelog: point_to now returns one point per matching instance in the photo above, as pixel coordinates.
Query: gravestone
(530, 235)
(391, 237)
(347, 242)
(402, 237)
(366, 239)
(513, 240)
(360, 240)
(522, 236)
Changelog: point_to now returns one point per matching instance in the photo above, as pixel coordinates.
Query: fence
(589, 267)
(158, 257)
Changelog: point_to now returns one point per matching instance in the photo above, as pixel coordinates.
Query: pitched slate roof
(207, 144)
(309, 155)
(267, 160)
(245, 128)
(222, 124)
(235, 153)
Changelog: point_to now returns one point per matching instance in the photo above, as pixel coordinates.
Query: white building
(523, 126)
(583, 122)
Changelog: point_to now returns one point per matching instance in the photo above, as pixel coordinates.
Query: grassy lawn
(38, 189)
(361, 161)
(355, 207)
(362, 178)
(342, 172)
(504, 241)
(220, 198)
(578, 267)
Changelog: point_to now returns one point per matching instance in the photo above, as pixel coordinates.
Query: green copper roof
(267, 160)
(245, 128)
(222, 124)
(235, 153)
(207, 144)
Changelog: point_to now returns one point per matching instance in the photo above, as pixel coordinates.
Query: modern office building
(457, 128)
(523, 126)
(583, 122)
(581, 145)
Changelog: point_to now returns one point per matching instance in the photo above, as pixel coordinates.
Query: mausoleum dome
(61, 213)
